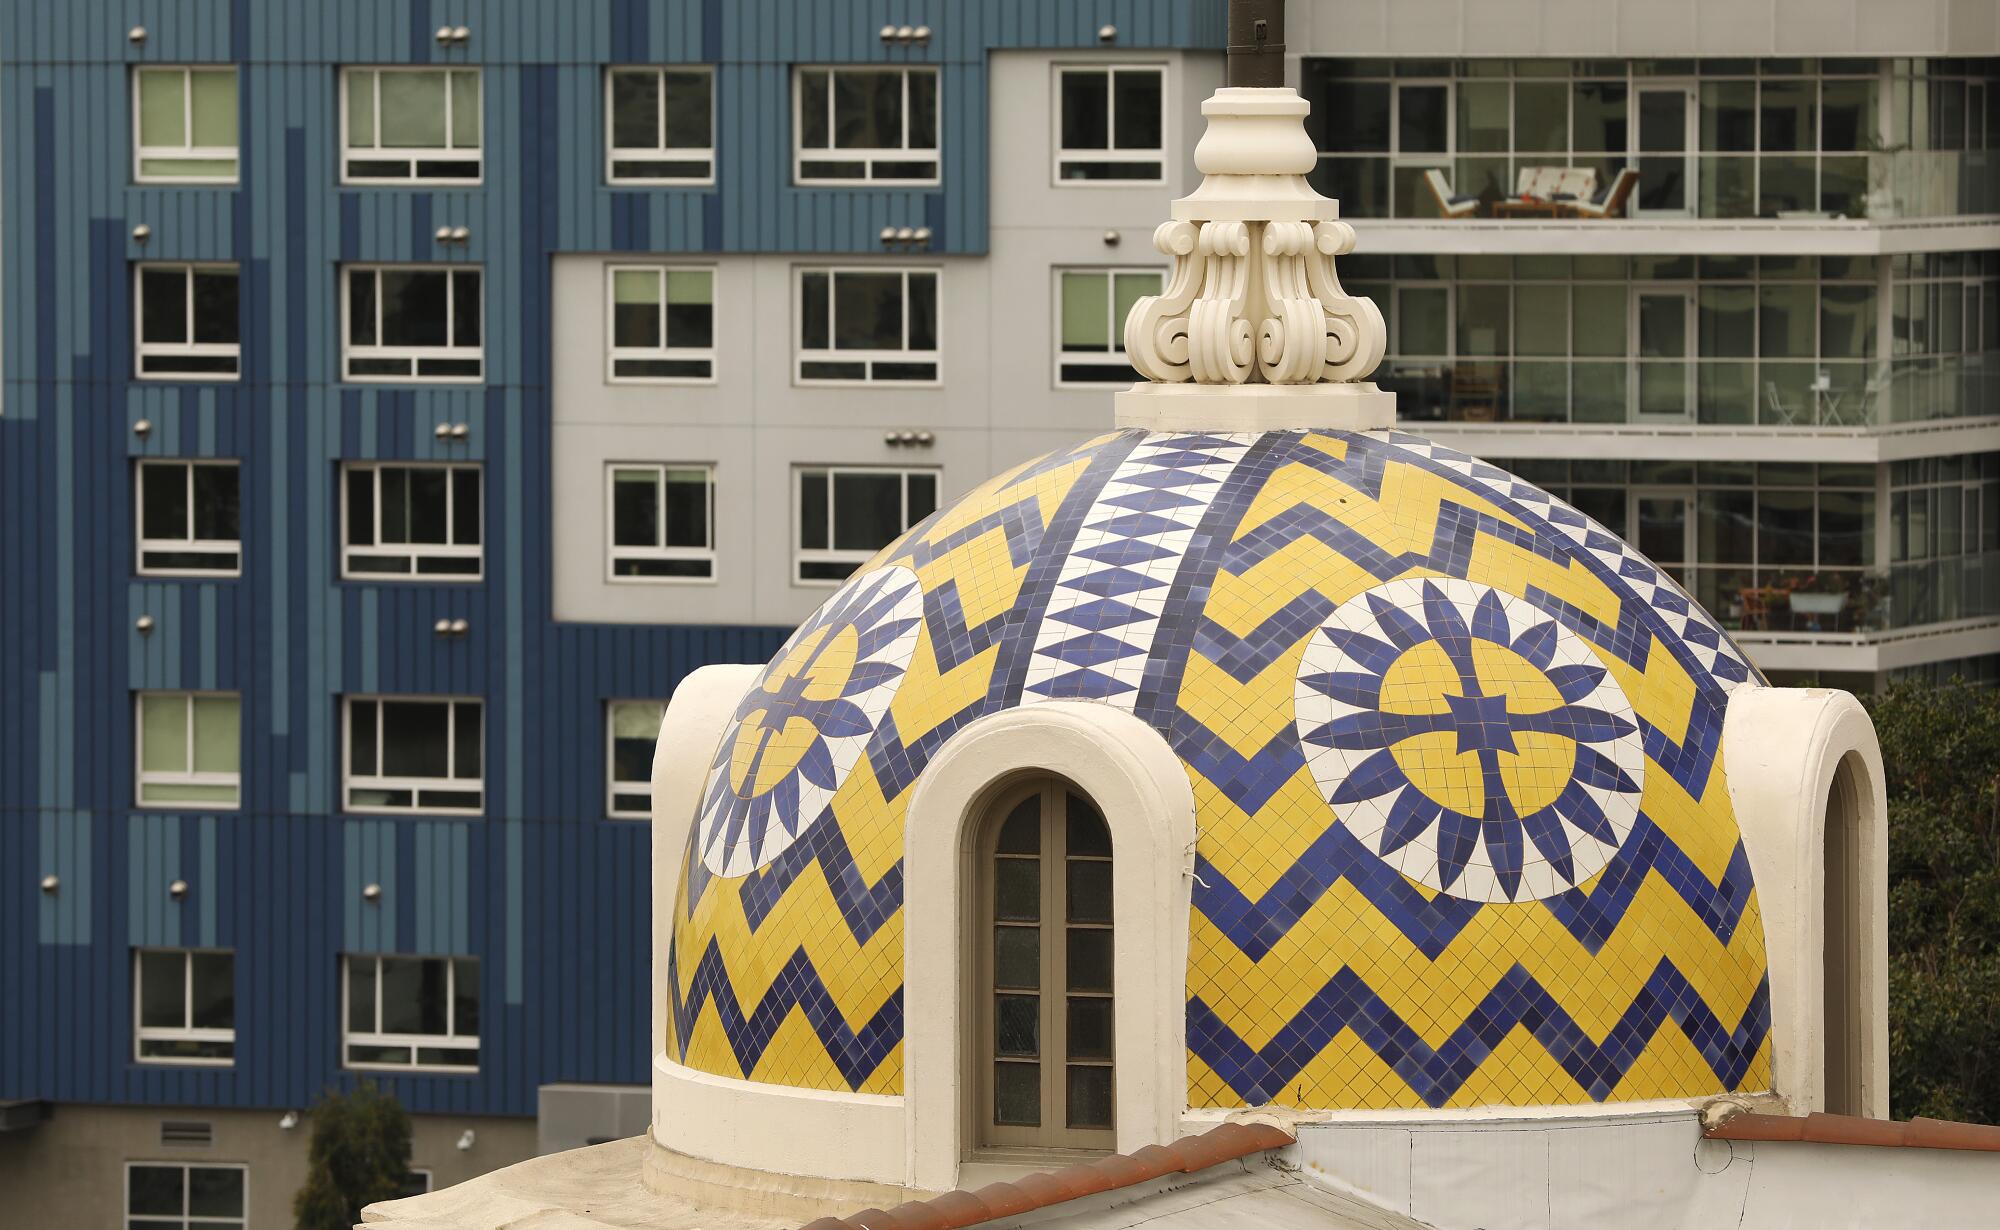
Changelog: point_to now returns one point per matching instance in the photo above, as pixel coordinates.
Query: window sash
(833, 353)
(422, 790)
(186, 1031)
(805, 556)
(415, 356)
(186, 156)
(650, 713)
(159, 787)
(864, 158)
(186, 348)
(657, 550)
(163, 471)
(1066, 156)
(451, 1039)
(414, 553)
(186, 1217)
(1121, 287)
(664, 349)
(455, 152)
(617, 156)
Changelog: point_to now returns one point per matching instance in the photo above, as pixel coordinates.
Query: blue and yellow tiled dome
(1464, 837)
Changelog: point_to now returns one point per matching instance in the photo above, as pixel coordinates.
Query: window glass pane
(1423, 317)
(635, 508)
(1599, 116)
(406, 983)
(1017, 889)
(155, 1190)
(1482, 118)
(164, 488)
(361, 995)
(1785, 319)
(1726, 321)
(1086, 109)
(163, 990)
(1423, 121)
(163, 305)
(1848, 119)
(469, 745)
(635, 109)
(636, 317)
(163, 732)
(465, 507)
(360, 109)
(215, 306)
(1089, 960)
(214, 1005)
(867, 110)
(812, 510)
(214, 106)
(1017, 1093)
(690, 314)
(1482, 320)
(1541, 314)
(867, 509)
(923, 112)
(1726, 527)
(868, 311)
(1089, 1028)
(1541, 116)
(425, 494)
(1729, 116)
(361, 738)
(413, 307)
(465, 110)
(218, 739)
(1598, 320)
(1786, 114)
(689, 125)
(1017, 1024)
(361, 307)
(1847, 322)
(923, 311)
(1785, 527)
(1087, 889)
(1347, 116)
(1086, 311)
(1089, 1101)
(413, 739)
(413, 110)
(162, 110)
(215, 1191)
(687, 508)
(1137, 99)
(921, 493)
(1847, 528)
(635, 729)
(466, 308)
(1127, 290)
(814, 292)
(813, 125)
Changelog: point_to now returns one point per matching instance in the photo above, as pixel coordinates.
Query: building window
(661, 125)
(175, 1196)
(662, 323)
(184, 1005)
(415, 1183)
(1110, 122)
(1046, 951)
(415, 522)
(189, 518)
(1093, 304)
(187, 322)
(412, 1012)
(410, 124)
(185, 121)
(662, 522)
(190, 749)
(633, 727)
(868, 326)
(847, 515)
(878, 125)
(406, 754)
(413, 322)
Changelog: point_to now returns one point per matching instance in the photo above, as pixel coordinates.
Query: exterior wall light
(372, 893)
(137, 34)
(1107, 34)
(1111, 239)
(288, 1121)
(141, 233)
(144, 623)
(465, 1141)
(143, 428)
(178, 890)
(50, 884)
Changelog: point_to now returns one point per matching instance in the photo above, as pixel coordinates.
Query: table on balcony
(1529, 209)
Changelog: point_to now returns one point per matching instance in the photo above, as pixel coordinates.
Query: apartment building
(397, 399)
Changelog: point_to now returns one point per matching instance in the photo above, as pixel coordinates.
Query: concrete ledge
(1358, 406)
(817, 1133)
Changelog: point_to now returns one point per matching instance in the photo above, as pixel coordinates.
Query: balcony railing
(1849, 600)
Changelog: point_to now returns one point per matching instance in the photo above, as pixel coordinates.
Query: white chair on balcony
(1449, 204)
(1610, 202)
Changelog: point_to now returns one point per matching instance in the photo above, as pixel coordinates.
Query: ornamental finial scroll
(1254, 296)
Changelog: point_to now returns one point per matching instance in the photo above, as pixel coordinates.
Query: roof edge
(1823, 1129)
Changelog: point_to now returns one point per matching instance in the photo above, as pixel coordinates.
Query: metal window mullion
(375, 94)
(660, 142)
(187, 997)
(187, 701)
(187, 108)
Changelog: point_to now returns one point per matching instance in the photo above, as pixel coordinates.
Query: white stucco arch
(1142, 790)
(1784, 749)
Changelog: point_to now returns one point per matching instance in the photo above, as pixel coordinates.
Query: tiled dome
(1463, 831)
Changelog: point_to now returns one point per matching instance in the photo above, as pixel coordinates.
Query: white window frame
(1064, 156)
(411, 154)
(185, 1218)
(612, 786)
(415, 551)
(349, 351)
(868, 358)
(449, 1038)
(190, 544)
(829, 554)
(1116, 357)
(613, 155)
(142, 777)
(613, 552)
(143, 1033)
(866, 158)
(141, 154)
(613, 352)
(350, 781)
(143, 349)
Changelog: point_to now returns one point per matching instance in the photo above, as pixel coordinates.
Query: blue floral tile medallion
(803, 726)
(1469, 740)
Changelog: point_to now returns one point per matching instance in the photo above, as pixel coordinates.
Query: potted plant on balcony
(1819, 596)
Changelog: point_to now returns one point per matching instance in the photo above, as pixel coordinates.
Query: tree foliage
(1941, 750)
(360, 1154)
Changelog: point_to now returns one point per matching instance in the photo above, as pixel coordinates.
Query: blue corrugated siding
(549, 894)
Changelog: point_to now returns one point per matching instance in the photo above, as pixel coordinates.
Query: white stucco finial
(1253, 331)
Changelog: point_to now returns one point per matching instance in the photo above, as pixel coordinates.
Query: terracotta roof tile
(1824, 1129)
(956, 1209)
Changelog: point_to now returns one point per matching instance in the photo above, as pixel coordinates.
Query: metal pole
(1257, 43)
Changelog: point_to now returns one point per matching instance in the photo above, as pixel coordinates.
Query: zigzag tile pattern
(1182, 576)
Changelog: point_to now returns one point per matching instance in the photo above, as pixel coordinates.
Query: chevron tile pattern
(1465, 836)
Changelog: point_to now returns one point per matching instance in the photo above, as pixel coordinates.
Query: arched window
(1043, 1066)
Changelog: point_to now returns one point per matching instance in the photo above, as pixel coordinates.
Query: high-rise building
(400, 398)
(1722, 273)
